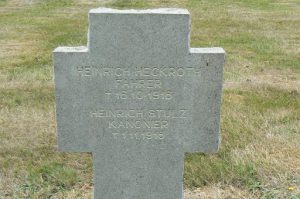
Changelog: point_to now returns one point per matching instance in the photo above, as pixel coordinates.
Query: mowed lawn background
(259, 155)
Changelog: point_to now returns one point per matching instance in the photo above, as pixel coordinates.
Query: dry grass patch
(217, 192)
(30, 165)
(281, 79)
(82, 192)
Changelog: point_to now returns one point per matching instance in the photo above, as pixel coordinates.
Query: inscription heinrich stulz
(143, 120)
(133, 113)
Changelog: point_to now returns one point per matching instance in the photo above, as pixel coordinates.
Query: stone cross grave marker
(138, 97)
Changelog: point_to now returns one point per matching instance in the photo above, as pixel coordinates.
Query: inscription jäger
(138, 97)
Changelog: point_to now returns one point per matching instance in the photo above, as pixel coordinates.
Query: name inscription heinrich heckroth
(141, 84)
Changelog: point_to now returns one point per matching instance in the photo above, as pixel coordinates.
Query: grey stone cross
(138, 97)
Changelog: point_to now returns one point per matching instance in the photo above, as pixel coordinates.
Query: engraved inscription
(143, 72)
(139, 95)
(138, 124)
(140, 136)
(139, 84)
(134, 113)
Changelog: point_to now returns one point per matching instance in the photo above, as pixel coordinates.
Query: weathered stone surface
(138, 97)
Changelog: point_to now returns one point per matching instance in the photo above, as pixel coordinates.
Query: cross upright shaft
(138, 97)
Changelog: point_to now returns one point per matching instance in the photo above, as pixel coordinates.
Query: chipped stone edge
(217, 50)
(71, 49)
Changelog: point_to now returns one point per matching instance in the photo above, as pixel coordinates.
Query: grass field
(260, 152)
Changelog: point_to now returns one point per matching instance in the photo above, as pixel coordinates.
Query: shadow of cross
(138, 97)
